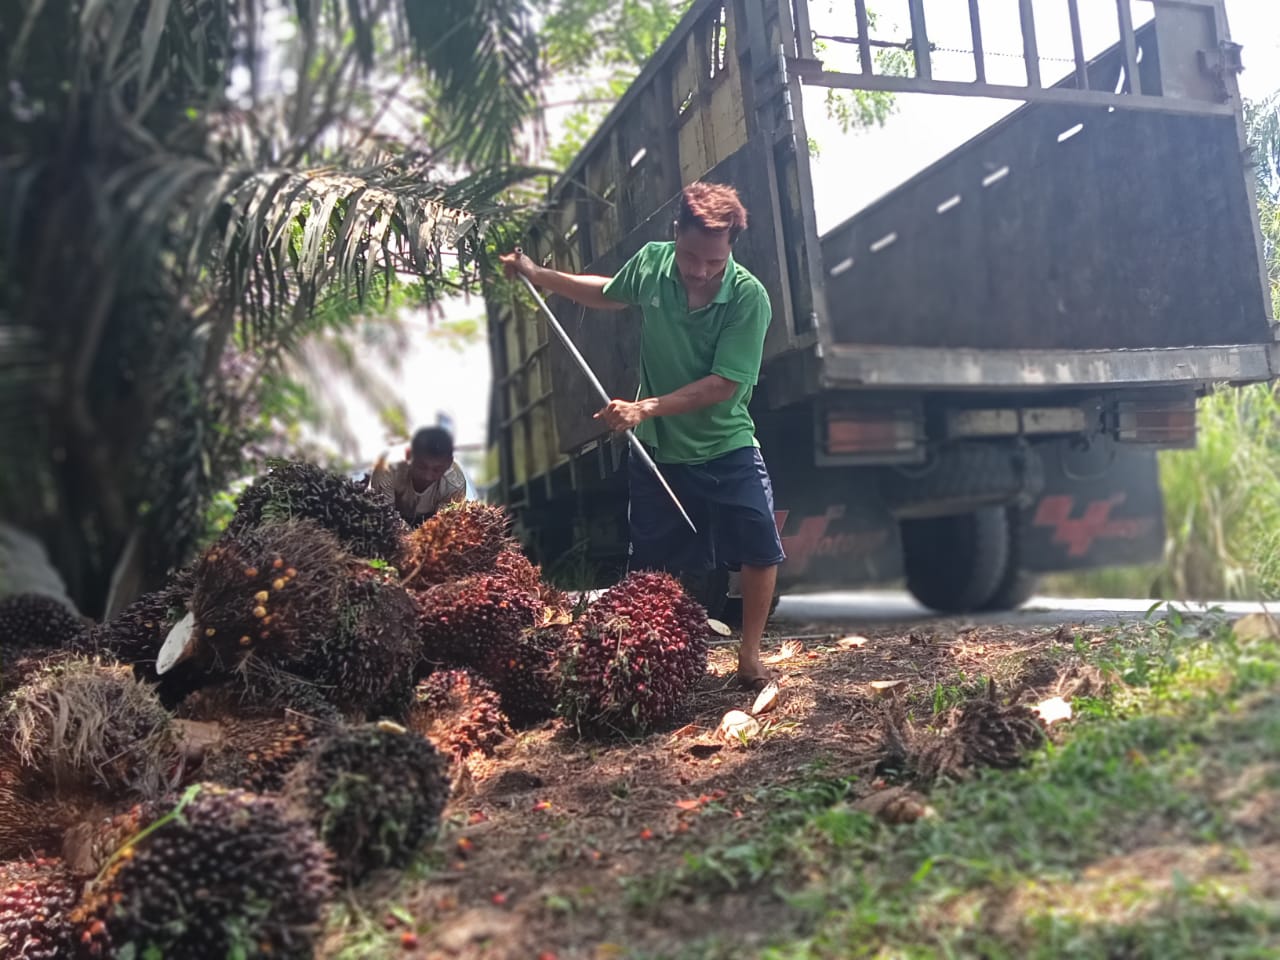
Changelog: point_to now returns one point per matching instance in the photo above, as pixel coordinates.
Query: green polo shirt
(679, 346)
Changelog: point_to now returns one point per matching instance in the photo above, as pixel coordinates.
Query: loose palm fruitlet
(223, 873)
(366, 524)
(375, 795)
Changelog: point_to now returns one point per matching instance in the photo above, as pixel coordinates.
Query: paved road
(880, 607)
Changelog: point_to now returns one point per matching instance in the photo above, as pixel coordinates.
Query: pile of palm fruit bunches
(201, 776)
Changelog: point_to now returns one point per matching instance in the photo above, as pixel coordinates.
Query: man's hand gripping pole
(636, 446)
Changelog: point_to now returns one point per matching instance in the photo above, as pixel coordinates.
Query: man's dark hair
(713, 207)
(432, 442)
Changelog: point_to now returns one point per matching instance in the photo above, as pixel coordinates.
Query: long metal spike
(636, 446)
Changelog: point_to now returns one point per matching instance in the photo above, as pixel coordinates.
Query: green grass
(997, 873)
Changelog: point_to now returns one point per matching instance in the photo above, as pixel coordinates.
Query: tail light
(890, 435)
(1164, 423)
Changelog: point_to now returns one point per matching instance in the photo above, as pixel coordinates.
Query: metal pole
(636, 446)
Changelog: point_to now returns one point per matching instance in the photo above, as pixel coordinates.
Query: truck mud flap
(835, 530)
(1100, 507)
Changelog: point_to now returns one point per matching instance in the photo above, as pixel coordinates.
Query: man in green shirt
(701, 345)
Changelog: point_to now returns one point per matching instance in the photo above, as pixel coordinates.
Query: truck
(965, 383)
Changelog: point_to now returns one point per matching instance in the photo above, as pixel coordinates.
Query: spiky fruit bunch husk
(634, 656)
(460, 713)
(464, 621)
(374, 793)
(365, 661)
(515, 566)
(523, 672)
(35, 621)
(366, 524)
(978, 733)
(268, 591)
(36, 900)
(258, 740)
(461, 540)
(231, 873)
(83, 725)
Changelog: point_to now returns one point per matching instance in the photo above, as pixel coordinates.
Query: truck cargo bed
(1137, 241)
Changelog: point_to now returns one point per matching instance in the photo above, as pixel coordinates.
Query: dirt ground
(542, 840)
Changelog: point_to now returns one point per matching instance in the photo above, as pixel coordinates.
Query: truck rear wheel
(1017, 585)
(956, 564)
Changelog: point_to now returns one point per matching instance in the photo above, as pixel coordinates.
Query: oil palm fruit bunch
(461, 540)
(256, 739)
(31, 821)
(515, 566)
(20, 667)
(81, 725)
(366, 524)
(266, 591)
(365, 660)
(523, 671)
(136, 634)
(634, 656)
(221, 873)
(36, 900)
(460, 713)
(463, 622)
(374, 794)
(33, 818)
(30, 621)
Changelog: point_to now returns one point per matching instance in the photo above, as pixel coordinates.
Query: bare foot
(753, 679)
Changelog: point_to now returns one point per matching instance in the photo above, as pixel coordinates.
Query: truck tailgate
(1062, 227)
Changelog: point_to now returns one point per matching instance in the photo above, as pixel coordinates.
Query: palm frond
(484, 54)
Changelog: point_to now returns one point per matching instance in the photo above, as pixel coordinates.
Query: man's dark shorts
(730, 500)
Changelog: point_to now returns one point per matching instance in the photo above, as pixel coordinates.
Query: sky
(851, 170)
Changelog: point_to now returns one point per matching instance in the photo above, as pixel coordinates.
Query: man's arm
(582, 288)
(382, 479)
(710, 390)
(737, 361)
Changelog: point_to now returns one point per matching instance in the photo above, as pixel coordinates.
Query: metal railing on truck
(721, 100)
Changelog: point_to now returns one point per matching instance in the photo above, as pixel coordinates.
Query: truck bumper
(927, 368)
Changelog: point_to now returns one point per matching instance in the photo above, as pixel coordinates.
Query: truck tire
(961, 477)
(955, 564)
(1017, 585)
(1016, 588)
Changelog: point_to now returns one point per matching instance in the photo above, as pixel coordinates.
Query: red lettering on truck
(1078, 534)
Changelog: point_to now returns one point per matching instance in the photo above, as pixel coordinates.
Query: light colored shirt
(394, 481)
